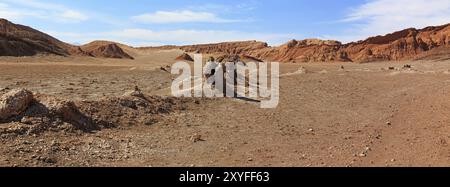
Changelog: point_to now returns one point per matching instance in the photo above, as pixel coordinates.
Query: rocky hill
(106, 49)
(19, 40)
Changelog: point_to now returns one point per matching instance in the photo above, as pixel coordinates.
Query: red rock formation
(408, 44)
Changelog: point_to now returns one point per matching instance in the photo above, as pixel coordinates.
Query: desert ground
(362, 115)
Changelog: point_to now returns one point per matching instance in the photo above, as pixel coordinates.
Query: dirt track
(364, 115)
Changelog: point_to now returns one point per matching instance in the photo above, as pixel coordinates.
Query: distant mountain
(408, 44)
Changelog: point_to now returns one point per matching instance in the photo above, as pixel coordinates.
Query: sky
(180, 22)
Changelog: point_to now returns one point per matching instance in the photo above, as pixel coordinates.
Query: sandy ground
(364, 115)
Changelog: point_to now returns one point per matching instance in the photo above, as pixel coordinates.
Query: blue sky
(160, 22)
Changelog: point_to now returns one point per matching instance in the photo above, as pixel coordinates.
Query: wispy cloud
(140, 37)
(10, 13)
(181, 16)
(38, 9)
(377, 17)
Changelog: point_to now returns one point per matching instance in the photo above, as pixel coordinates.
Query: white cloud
(183, 16)
(377, 17)
(37, 9)
(144, 37)
(73, 15)
(14, 14)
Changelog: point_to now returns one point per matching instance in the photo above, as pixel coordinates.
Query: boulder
(14, 103)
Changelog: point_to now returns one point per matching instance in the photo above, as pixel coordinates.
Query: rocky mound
(21, 112)
(184, 57)
(105, 49)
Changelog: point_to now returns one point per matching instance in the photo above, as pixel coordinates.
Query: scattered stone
(196, 138)
(301, 70)
(165, 68)
(14, 103)
(323, 72)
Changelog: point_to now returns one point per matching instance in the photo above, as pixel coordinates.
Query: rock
(135, 93)
(14, 103)
(301, 70)
(165, 69)
(128, 103)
